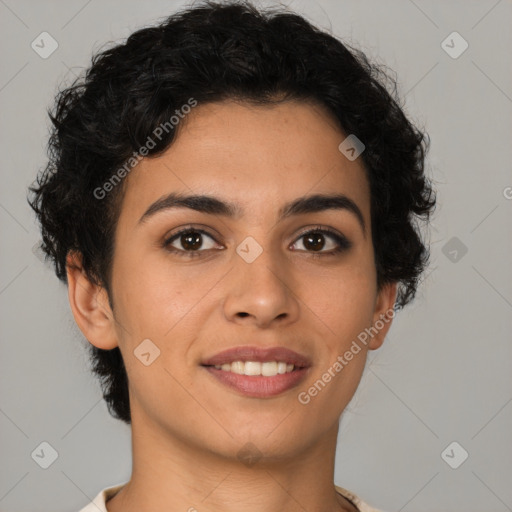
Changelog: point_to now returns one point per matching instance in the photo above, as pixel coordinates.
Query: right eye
(191, 240)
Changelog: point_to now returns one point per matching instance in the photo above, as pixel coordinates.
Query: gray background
(443, 374)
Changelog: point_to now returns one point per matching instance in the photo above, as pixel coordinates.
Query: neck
(173, 476)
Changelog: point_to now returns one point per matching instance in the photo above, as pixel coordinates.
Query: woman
(232, 199)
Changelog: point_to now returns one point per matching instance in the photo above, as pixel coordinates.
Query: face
(250, 282)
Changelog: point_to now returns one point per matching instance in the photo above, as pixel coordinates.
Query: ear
(383, 314)
(90, 306)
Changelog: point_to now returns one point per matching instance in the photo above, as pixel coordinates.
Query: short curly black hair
(212, 52)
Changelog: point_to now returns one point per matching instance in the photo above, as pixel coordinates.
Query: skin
(187, 428)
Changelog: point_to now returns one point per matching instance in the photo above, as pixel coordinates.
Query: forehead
(259, 157)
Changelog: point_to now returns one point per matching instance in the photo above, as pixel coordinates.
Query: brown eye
(316, 240)
(190, 242)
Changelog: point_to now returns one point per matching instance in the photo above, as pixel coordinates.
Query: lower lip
(257, 386)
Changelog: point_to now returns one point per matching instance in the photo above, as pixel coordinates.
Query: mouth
(256, 372)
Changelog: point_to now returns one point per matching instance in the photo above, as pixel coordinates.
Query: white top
(98, 504)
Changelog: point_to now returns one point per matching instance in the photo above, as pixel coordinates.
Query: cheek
(153, 296)
(343, 301)
(344, 309)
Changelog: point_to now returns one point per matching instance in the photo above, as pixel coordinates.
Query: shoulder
(358, 502)
(98, 504)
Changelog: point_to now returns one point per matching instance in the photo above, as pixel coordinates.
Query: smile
(268, 369)
(257, 372)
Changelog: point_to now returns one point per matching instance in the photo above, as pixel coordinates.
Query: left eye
(315, 241)
(192, 242)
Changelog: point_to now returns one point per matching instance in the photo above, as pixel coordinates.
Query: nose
(261, 292)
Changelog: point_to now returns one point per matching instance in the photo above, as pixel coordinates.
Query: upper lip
(262, 355)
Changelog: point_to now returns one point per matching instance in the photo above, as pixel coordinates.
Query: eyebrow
(214, 206)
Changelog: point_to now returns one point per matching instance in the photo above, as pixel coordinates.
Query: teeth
(238, 367)
(281, 368)
(252, 368)
(268, 369)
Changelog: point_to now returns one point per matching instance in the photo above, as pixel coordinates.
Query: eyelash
(343, 243)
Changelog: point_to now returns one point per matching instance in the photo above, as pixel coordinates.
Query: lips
(257, 372)
(261, 355)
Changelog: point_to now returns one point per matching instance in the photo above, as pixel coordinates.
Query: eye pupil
(191, 241)
(314, 241)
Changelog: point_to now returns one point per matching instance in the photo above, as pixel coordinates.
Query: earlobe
(383, 314)
(89, 305)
